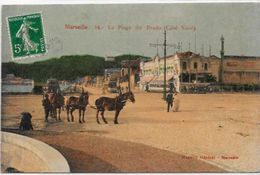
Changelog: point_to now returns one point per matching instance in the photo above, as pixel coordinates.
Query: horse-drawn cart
(55, 96)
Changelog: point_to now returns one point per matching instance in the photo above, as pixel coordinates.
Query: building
(187, 66)
(197, 68)
(109, 58)
(12, 84)
(130, 70)
(241, 70)
(194, 68)
(112, 74)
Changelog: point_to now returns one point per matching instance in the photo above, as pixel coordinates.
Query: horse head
(84, 96)
(130, 96)
(51, 97)
(82, 90)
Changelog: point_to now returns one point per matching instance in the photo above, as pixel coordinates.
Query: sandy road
(220, 129)
(88, 153)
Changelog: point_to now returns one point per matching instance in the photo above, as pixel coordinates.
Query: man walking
(169, 100)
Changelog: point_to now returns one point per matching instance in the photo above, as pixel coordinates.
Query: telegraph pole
(202, 50)
(165, 45)
(129, 76)
(221, 77)
(209, 50)
(164, 69)
(195, 44)
(156, 45)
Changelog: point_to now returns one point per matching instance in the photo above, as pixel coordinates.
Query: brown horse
(57, 102)
(113, 104)
(79, 103)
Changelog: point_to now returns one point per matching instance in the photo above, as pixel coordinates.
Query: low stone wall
(29, 155)
(6, 88)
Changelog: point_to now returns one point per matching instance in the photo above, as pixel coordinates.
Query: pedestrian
(171, 86)
(146, 87)
(169, 100)
(47, 106)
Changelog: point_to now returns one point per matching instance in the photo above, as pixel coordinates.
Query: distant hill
(64, 68)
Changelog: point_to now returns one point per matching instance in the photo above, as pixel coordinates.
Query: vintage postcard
(130, 88)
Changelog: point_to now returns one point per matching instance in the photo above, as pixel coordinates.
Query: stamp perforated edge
(10, 41)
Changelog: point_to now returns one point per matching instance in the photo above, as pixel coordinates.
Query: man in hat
(169, 100)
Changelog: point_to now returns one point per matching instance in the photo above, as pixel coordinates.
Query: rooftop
(241, 57)
(187, 54)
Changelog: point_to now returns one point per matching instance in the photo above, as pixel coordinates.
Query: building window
(195, 65)
(184, 66)
(206, 66)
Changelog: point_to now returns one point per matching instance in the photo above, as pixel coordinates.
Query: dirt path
(208, 125)
(94, 154)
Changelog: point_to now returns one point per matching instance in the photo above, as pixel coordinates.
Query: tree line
(64, 68)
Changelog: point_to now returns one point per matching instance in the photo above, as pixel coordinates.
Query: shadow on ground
(81, 162)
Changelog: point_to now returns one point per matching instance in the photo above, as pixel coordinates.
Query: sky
(113, 29)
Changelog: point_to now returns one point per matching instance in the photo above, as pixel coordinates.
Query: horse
(79, 103)
(113, 104)
(57, 102)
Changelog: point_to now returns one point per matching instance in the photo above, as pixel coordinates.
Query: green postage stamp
(26, 35)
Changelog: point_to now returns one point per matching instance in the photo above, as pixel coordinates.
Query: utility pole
(202, 50)
(155, 45)
(175, 46)
(129, 76)
(209, 50)
(164, 69)
(195, 43)
(221, 77)
(165, 45)
(179, 46)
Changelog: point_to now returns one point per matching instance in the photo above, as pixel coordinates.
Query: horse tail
(66, 102)
(92, 106)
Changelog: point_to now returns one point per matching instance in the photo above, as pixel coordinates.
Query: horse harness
(120, 101)
(80, 102)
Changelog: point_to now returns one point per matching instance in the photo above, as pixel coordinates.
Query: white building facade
(152, 72)
(185, 67)
(12, 84)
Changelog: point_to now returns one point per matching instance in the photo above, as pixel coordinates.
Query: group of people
(172, 99)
